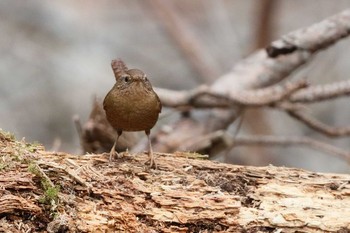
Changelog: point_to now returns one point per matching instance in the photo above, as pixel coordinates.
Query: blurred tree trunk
(257, 122)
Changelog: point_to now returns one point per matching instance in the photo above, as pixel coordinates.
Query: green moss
(22, 149)
(19, 153)
(7, 162)
(7, 135)
(33, 147)
(2, 166)
(32, 168)
(50, 195)
(45, 184)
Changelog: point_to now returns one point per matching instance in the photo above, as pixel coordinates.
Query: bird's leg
(153, 163)
(113, 152)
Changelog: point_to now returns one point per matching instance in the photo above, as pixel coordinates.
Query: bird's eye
(126, 79)
(146, 79)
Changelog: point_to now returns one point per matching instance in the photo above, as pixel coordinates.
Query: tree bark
(186, 194)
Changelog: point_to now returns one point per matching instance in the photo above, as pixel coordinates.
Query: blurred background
(55, 57)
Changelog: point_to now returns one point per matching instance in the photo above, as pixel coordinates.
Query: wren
(131, 105)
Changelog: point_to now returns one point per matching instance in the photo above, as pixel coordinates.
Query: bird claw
(152, 162)
(114, 154)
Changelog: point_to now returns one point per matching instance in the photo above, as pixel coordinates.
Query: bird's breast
(132, 110)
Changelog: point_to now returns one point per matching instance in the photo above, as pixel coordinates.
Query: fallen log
(44, 191)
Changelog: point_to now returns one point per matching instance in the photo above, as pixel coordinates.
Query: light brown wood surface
(186, 194)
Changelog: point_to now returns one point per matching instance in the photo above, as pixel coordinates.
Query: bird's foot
(151, 161)
(114, 154)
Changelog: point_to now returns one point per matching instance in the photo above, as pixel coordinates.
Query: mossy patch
(4, 135)
(50, 192)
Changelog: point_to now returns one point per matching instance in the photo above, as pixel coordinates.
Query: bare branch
(297, 111)
(258, 70)
(292, 141)
(255, 72)
(220, 140)
(198, 97)
(315, 37)
(193, 98)
(321, 92)
(319, 126)
(266, 96)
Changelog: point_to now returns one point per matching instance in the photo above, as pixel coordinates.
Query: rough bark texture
(186, 194)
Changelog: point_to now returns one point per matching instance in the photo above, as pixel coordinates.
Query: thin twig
(225, 140)
(321, 92)
(43, 175)
(319, 126)
(69, 171)
(79, 128)
(297, 111)
(232, 144)
(292, 141)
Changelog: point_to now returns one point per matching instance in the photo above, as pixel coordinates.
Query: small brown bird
(132, 104)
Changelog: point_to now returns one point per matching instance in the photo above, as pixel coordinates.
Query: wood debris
(185, 194)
